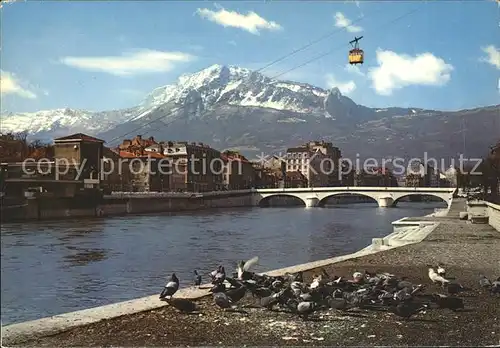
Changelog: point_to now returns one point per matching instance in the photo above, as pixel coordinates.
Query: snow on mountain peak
(214, 77)
(197, 92)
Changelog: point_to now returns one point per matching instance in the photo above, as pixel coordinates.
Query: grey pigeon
(170, 288)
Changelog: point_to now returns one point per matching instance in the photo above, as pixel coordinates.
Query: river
(55, 267)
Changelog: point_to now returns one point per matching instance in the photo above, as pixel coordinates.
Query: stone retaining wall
(488, 211)
(56, 208)
(494, 216)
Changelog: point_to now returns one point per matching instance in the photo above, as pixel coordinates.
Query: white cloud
(395, 71)
(232, 43)
(493, 57)
(143, 61)
(9, 84)
(344, 87)
(342, 21)
(250, 22)
(353, 69)
(6, 2)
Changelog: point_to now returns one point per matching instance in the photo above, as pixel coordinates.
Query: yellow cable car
(356, 55)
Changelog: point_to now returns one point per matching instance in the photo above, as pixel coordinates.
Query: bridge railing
(360, 188)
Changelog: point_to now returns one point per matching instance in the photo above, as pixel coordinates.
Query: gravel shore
(466, 250)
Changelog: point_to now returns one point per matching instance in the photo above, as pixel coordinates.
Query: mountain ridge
(230, 106)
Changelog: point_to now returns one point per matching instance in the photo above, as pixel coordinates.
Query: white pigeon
(441, 271)
(316, 282)
(245, 266)
(357, 277)
(436, 277)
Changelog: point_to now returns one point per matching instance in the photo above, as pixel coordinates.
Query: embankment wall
(56, 208)
(489, 211)
(494, 215)
(50, 208)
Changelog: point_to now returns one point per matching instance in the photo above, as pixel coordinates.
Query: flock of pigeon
(290, 293)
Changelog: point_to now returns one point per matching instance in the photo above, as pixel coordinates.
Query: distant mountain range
(233, 107)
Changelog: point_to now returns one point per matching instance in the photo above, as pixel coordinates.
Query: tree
(490, 174)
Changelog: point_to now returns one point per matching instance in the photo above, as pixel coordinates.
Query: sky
(109, 55)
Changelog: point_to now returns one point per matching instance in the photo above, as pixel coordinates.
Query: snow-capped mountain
(203, 90)
(235, 86)
(229, 106)
(47, 124)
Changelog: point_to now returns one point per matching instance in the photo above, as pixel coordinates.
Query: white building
(451, 175)
(313, 164)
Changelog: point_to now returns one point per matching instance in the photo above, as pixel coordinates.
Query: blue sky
(109, 55)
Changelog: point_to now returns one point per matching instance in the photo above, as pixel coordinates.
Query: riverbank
(163, 327)
(53, 208)
(76, 264)
(43, 207)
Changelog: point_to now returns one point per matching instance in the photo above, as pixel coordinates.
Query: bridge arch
(265, 200)
(443, 197)
(384, 196)
(325, 198)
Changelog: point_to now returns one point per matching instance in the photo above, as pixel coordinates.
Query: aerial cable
(341, 46)
(266, 66)
(259, 70)
(321, 38)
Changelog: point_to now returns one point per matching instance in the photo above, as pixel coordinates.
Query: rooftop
(127, 154)
(79, 137)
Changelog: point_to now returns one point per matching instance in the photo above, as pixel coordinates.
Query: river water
(55, 267)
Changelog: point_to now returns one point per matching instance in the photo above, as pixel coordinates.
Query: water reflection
(50, 268)
(85, 256)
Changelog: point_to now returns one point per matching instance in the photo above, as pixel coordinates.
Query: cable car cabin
(356, 56)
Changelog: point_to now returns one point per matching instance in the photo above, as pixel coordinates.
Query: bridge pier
(311, 202)
(385, 202)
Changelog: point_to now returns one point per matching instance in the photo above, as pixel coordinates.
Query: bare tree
(21, 136)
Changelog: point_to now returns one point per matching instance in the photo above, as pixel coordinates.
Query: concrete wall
(477, 208)
(494, 215)
(56, 208)
(487, 210)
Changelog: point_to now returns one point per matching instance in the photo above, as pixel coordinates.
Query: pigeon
(484, 282)
(305, 308)
(243, 268)
(495, 286)
(452, 303)
(219, 276)
(182, 305)
(316, 282)
(269, 301)
(454, 288)
(436, 278)
(407, 309)
(170, 288)
(338, 304)
(197, 278)
(357, 277)
(236, 294)
(221, 300)
(441, 271)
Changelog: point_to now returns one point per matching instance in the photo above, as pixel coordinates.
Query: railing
(272, 190)
(175, 194)
(360, 188)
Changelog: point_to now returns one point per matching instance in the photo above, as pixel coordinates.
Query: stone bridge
(385, 196)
